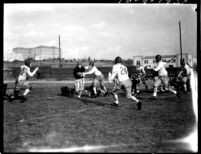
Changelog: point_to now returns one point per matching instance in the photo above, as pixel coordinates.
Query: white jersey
(93, 70)
(121, 72)
(140, 70)
(188, 69)
(25, 72)
(161, 69)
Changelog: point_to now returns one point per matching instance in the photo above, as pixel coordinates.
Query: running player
(79, 82)
(163, 77)
(99, 78)
(121, 72)
(23, 78)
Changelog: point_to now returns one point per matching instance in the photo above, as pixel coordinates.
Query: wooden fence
(50, 73)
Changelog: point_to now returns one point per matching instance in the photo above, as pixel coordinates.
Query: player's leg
(28, 87)
(81, 87)
(77, 86)
(137, 86)
(184, 80)
(94, 84)
(102, 85)
(117, 85)
(87, 91)
(157, 83)
(138, 81)
(127, 85)
(134, 87)
(165, 80)
(188, 83)
(144, 83)
(116, 99)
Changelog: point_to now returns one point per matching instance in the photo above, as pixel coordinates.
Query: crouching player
(162, 77)
(79, 82)
(122, 75)
(22, 81)
(99, 78)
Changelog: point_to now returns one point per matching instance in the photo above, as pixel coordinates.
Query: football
(79, 73)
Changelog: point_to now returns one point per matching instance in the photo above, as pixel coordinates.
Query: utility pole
(59, 53)
(180, 42)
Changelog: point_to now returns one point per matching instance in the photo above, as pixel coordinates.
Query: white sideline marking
(80, 149)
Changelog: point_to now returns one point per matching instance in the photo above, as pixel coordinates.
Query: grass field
(47, 121)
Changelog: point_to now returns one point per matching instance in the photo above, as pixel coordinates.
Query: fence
(50, 73)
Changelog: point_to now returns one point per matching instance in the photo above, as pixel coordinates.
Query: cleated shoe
(139, 105)
(153, 97)
(178, 95)
(115, 104)
(23, 98)
(98, 93)
(94, 96)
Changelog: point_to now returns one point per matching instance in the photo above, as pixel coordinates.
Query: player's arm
(188, 69)
(180, 73)
(89, 72)
(149, 67)
(114, 73)
(86, 67)
(158, 67)
(143, 71)
(31, 74)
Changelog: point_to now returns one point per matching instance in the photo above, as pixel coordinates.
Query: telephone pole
(180, 42)
(59, 53)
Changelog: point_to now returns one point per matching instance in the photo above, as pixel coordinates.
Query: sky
(102, 31)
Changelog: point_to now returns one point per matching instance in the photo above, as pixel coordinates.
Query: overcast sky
(102, 31)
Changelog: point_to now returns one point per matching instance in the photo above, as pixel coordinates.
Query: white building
(39, 53)
(172, 60)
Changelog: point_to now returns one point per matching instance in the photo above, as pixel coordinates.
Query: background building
(38, 53)
(173, 60)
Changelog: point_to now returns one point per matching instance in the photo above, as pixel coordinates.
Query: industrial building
(38, 53)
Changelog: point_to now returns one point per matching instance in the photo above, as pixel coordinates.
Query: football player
(162, 77)
(139, 78)
(98, 78)
(185, 74)
(79, 82)
(23, 78)
(121, 72)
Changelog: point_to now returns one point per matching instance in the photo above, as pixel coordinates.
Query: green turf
(46, 120)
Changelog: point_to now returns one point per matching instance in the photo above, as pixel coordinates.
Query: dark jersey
(184, 72)
(76, 70)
